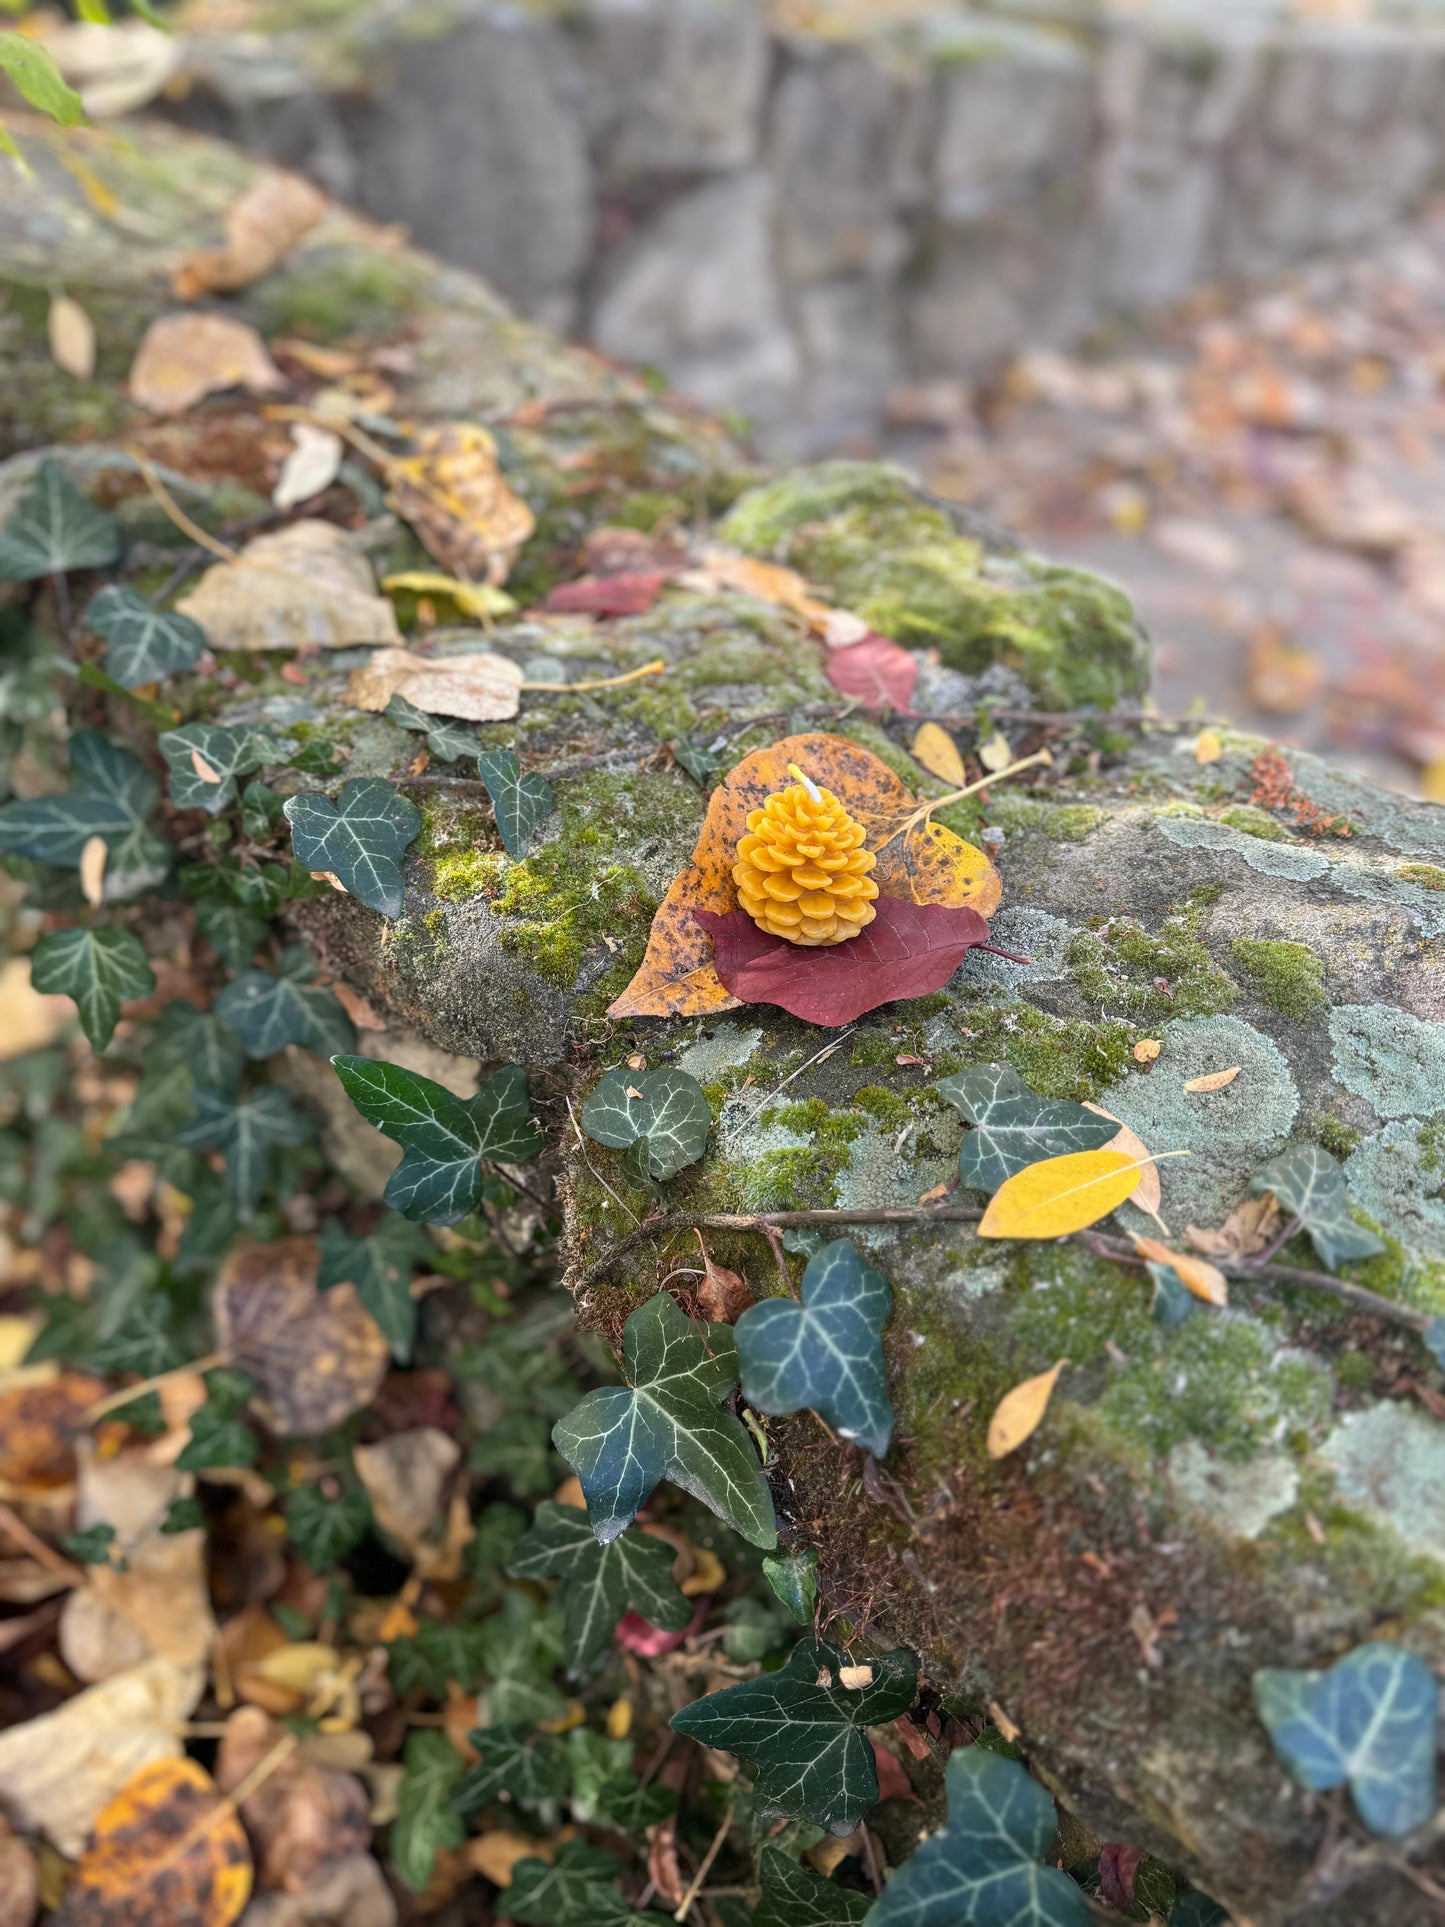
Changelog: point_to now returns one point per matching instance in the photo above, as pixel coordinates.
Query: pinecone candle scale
(802, 870)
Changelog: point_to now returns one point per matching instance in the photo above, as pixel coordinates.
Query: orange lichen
(802, 869)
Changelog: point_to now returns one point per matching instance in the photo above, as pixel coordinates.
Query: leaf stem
(653, 668)
(685, 1905)
(172, 509)
(925, 810)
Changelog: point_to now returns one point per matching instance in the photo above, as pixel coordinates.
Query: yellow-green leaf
(1018, 1414)
(1059, 1195)
(937, 752)
(35, 73)
(9, 145)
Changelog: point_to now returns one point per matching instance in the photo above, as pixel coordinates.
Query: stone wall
(787, 224)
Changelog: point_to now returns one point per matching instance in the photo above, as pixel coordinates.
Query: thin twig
(653, 668)
(44, 1555)
(172, 509)
(925, 810)
(685, 1906)
(128, 1394)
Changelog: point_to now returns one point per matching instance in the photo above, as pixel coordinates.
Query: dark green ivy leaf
(324, 1528)
(663, 1112)
(359, 839)
(100, 969)
(794, 1897)
(1197, 1910)
(1173, 1300)
(111, 795)
(665, 1423)
(269, 1012)
(1013, 1127)
(142, 1342)
(825, 1353)
(91, 1546)
(521, 803)
(518, 1766)
(517, 1449)
(143, 644)
(211, 1050)
(233, 933)
(574, 1890)
(521, 1646)
(425, 1820)
(54, 528)
(444, 1137)
(183, 1515)
(436, 1656)
(983, 1865)
(793, 1577)
(1369, 1722)
(1311, 1186)
(805, 1738)
(220, 1435)
(230, 751)
(248, 1130)
(380, 1266)
(599, 1582)
(445, 740)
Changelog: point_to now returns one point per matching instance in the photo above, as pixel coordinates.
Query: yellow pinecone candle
(802, 870)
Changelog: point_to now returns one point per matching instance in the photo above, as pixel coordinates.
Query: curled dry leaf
(406, 1479)
(768, 581)
(482, 687)
(929, 865)
(1059, 1195)
(625, 594)
(183, 358)
(306, 584)
(455, 496)
(664, 1869)
(29, 1020)
(164, 1849)
(1214, 1081)
(361, 1012)
(302, 1816)
(92, 869)
(1018, 1414)
(312, 465)
(723, 1296)
(1148, 1196)
(40, 1426)
(1193, 1273)
(1146, 1050)
(935, 750)
(262, 227)
(1247, 1230)
(1207, 746)
(72, 337)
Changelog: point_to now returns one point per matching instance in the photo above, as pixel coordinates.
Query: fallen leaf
(1018, 1414)
(1059, 1195)
(477, 599)
(321, 359)
(311, 466)
(928, 866)
(262, 227)
(629, 594)
(1207, 746)
(59, 1770)
(908, 950)
(874, 672)
(1118, 1872)
(302, 1816)
(406, 1478)
(935, 750)
(183, 358)
(72, 337)
(203, 769)
(1148, 1197)
(362, 1013)
(92, 869)
(664, 1869)
(482, 687)
(637, 1635)
(28, 1020)
(893, 1782)
(316, 1357)
(995, 754)
(116, 67)
(1214, 1081)
(352, 1889)
(1247, 1230)
(493, 1854)
(768, 581)
(305, 584)
(708, 1574)
(19, 1880)
(1146, 1050)
(453, 493)
(722, 1297)
(1010, 1729)
(1193, 1273)
(1281, 677)
(40, 1424)
(164, 1849)
(854, 1678)
(934, 1195)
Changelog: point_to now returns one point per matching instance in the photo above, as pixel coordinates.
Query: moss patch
(1429, 876)
(1288, 976)
(1254, 822)
(1073, 822)
(1122, 966)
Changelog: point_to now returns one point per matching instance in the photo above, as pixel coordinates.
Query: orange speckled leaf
(166, 1849)
(928, 865)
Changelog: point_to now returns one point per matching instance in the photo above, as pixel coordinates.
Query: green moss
(1288, 975)
(651, 509)
(1337, 1137)
(1054, 1056)
(1428, 875)
(1254, 822)
(886, 1107)
(1355, 1371)
(329, 293)
(466, 873)
(1073, 822)
(1121, 966)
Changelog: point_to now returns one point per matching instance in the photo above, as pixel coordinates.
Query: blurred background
(1159, 286)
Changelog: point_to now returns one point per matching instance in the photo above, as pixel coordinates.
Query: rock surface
(1257, 1486)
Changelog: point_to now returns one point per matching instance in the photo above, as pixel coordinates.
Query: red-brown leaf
(629, 594)
(875, 672)
(908, 950)
(893, 1782)
(1118, 1870)
(634, 1634)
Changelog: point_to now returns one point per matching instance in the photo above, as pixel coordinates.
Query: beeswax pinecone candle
(802, 870)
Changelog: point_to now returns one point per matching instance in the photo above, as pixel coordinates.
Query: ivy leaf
(210, 1050)
(424, 1820)
(445, 1137)
(519, 1451)
(804, 1731)
(447, 741)
(54, 528)
(111, 794)
(32, 68)
(142, 644)
(824, 1353)
(574, 1890)
(323, 1528)
(92, 1546)
(517, 1765)
(248, 1131)
(1013, 1127)
(983, 1864)
(219, 1433)
(142, 1342)
(360, 842)
(269, 1012)
(793, 1577)
(100, 969)
(622, 1440)
(793, 1897)
(600, 1582)
(380, 1266)
(230, 751)
(1197, 1910)
(233, 933)
(663, 1112)
(520, 803)
(520, 1646)
(436, 1656)
(1310, 1184)
(1368, 1721)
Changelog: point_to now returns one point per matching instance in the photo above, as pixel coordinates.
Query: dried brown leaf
(1214, 1081)
(482, 687)
(1193, 1273)
(40, 1425)
(262, 227)
(72, 337)
(303, 1815)
(406, 1478)
(1146, 1050)
(453, 492)
(722, 1296)
(29, 1020)
(164, 1849)
(183, 358)
(1247, 1230)
(306, 584)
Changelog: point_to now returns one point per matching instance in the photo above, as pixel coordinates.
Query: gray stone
(674, 87)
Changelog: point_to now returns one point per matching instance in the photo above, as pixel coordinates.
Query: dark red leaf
(629, 594)
(638, 1635)
(876, 672)
(893, 1782)
(908, 950)
(1118, 1870)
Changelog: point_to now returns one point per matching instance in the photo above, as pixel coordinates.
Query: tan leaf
(406, 1478)
(995, 754)
(72, 337)
(935, 750)
(1214, 1081)
(1010, 1729)
(855, 1678)
(41, 1423)
(163, 1849)
(1018, 1413)
(203, 768)
(92, 870)
(455, 496)
(1207, 746)
(306, 584)
(1148, 1196)
(183, 358)
(361, 1013)
(769, 581)
(311, 466)
(57, 1771)
(482, 687)
(28, 1020)
(1194, 1274)
(115, 68)
(262, 227)
(475, 599)
(938, 1192)
(722, 1296)
(1247, 1230)
(664, 1869)
(316, 1357)
(1146, 1050)
(495, 1853)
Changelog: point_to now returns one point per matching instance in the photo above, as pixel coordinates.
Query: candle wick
(807, 782)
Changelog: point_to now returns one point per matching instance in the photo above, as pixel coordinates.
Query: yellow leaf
(477, 599)
(1147, 1197)
(1194, 1274)
(995, 754)
(937, 752)
(1146, 1050)
(72, 338)
(707, 1576)
(1432, 781)
(300, 1667)
(1207, 746)
(165, 1849)
(494, 1854)
(92, 869)
(619, 1718)
(1214, 1081)
(1019, 1412)
(467, 515)
(1059, 1195)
